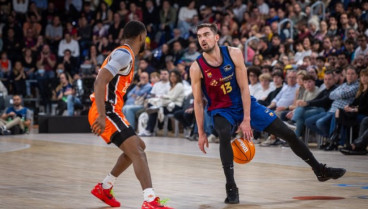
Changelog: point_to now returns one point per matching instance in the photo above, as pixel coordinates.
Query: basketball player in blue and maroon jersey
(220, 75)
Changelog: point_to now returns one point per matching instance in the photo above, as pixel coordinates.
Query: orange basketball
(243, 150)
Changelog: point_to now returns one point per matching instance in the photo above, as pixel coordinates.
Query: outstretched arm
(242, 80)
(195, 74)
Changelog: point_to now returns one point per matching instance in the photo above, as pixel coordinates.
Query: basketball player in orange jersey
(107, 120)
(220, 75)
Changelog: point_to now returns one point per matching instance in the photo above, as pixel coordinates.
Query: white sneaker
(145, 133)
(213, 139)
(187, 132)
(268, 142)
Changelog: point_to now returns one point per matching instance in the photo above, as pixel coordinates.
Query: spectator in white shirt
(185, 17)
(263, 7)
(363, 46)
(254, 85)
(239, 9)
(68, 43)
(266, 88)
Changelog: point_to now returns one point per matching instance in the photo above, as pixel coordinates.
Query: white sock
(149, 194)
(109, 181)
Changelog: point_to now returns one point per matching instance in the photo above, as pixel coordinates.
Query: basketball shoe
(232, 194)
(156, 203)
(325, 173)
(106, 195)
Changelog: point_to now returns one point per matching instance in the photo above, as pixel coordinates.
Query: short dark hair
(308, 77)
(133, 29)
(254, 69)
(211, 26)
(278, 73)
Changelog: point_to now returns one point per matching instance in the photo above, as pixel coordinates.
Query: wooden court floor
(59, 170)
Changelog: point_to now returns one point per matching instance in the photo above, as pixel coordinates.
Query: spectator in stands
(265, 80)
(88, 13)
(29, 63)
(239, 8)
(105, 47)
(225, 35)
(185, 17)
(20, 7)
(84, 35)
(150, 14)
(299, 95)
(54, 32)
(5, 69)
(278, 78)
(135, 13)
(254, 85)
(15, 119)
(49, 14)
(192, 53)
(263, 7)
(145, 66)
(321, 103)
(70, 63)
(327, 47)
(47, 60)
(358, 147)
(33, 25)
(116, 29)
(341, 96)
(351, 114)
(282, 101)
(171, 102)
(18, 79)
(12, 45)
(65, 97)
(169, 63)
(363, 46)
(286, 96)
(136, 97)
(177, 51)
(186, 115)
(91, 61)
(167, 16)
(68, 43)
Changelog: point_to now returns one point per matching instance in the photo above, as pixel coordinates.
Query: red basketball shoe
(155, 204)
(106, 195)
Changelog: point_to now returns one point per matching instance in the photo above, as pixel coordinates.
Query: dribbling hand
(98, 126)
(246, 129)
(202, 141)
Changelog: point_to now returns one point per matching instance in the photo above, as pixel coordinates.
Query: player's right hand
(202, 141)
(98, 126)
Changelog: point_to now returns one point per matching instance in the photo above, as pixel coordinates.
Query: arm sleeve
(119, 59)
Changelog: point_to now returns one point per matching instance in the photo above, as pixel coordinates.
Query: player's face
(207, 39)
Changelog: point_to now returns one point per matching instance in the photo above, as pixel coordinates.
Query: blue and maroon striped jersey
(219, 83)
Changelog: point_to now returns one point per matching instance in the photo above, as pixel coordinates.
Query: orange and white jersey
(120, 63)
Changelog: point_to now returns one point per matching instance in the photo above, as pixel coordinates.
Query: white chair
(166, 123)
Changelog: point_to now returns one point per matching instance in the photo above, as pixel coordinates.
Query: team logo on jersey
(213, 83)
(227, 68)
(271, 114)
(209, 75)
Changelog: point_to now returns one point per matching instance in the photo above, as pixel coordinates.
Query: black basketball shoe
(325, 173)
(232, 194)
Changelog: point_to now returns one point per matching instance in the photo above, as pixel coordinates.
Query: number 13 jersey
(219, 83)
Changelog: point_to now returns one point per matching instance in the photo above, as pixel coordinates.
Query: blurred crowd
(303, 61)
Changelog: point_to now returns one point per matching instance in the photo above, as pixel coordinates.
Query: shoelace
(163, 202)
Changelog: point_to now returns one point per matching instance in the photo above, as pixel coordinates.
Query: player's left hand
(246, 129)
